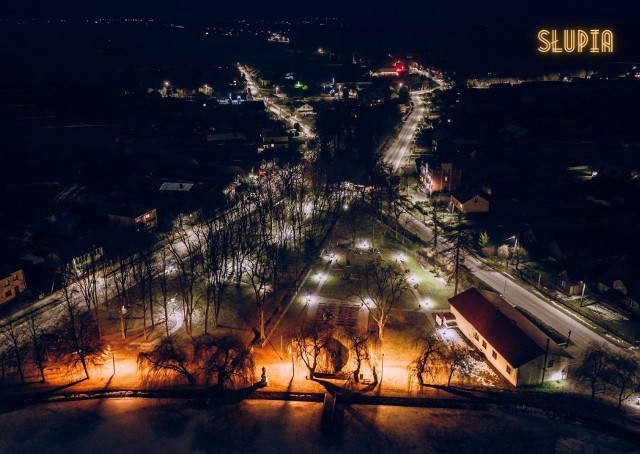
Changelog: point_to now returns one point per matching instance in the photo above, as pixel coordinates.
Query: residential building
(275, 138)
(140, 217)
(620, 285)
(440, 177)
(569, 284)
(12, 284)
(513, 345)
(79, 254)
(304, 109)
(470, 202)
(226, 138)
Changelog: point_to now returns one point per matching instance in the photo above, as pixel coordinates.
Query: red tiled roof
(496, 322)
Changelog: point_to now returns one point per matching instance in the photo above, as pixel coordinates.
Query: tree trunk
(84, 366)
(261, 323)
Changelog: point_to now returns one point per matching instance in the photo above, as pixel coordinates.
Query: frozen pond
(257, 426)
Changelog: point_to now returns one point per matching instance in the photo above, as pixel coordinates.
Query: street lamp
(123, 311)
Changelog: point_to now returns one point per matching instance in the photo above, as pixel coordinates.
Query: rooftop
(175, 186)
(512, 335)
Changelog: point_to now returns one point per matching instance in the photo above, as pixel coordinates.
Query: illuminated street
(300, 227)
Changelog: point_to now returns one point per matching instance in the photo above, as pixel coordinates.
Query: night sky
(580, 13)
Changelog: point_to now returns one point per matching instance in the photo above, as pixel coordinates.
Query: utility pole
(544, 366)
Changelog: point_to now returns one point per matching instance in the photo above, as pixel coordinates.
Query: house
(470, 202)
(515, 347)
(226, 138)
(620, 285)
(569, 285)
(78, 255)
(12, 284)
(304, 109)
(140, 217)
(272, 138)
(440, 177)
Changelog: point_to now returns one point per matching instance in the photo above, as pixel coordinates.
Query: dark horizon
(376, 12)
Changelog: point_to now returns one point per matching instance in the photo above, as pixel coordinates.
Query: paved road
(401, 145)
(272, 107)
(557, 317)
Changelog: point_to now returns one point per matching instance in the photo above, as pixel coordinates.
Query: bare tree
(359, 344)
(429, 345)
(456, 357)
(142, 271)
(308, 342)
(218, 271)
(381, 287)
(503, 253)
(169, 362)
(593, 368)
(85, 280)
(78, 332)
(624, 374)
(163, 280)
(259, 275)
(186, 253)
(38, 349)
(15, 347)
(121, 279)
(224, 360)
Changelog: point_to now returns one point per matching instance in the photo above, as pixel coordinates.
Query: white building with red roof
(517, 349)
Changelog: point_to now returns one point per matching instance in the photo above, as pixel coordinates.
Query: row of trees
(319, 346)
(219, 361)
(608, 373)
(439, 358)
(70, 338)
